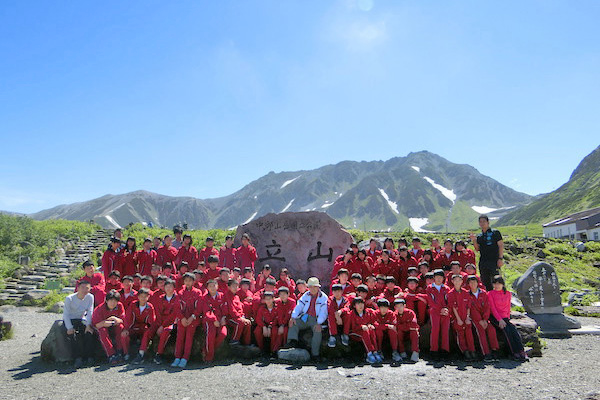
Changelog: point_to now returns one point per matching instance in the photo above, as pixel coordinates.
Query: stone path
(33, 278)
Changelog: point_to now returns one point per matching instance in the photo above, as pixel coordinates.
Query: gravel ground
(569, 369)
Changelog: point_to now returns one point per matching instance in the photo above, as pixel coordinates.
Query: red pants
(414, 338)
(276, 339)
(241, 331)
(260, 339)
(368, 338)
(392, 335)
(164, 338)
(440, 325)
(334, 328)
(214, 338)
(138, 331)
(464, 336)
(487, 337)
(421, 312)
(185, 339)
(107, 345)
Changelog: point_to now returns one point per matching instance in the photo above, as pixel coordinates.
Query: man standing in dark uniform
(490, 246)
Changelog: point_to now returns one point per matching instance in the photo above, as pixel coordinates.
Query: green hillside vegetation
(580, 193)
(23, 236)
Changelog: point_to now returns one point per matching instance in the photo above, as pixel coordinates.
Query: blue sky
(200, 98)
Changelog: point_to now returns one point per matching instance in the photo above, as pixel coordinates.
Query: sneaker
(182, 363)
(78, 363)
(414, 357)
(379, 356)
(126, 357)
(371, 358)
(176, 363)
(114, 359)
(139, 359)
(157, 359)
(403, 355)
(345, 340)
(467, 356)
(488, 358)
(396, 356)
(331, 342)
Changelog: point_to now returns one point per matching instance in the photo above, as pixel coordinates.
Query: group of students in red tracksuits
(377, 297)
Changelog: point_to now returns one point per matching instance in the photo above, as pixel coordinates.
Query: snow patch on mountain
(417, 224)
(112, 221)
(289, 181)
(250, 219)
(483, 209)
(416, 168)
(287, 207)
(393, 205)
(448, 193)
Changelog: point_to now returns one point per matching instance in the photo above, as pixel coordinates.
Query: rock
(68, 289)
(35, 294)
(57, 307)
(5, 328)
(34, 278)
(540, 245)
(539, 291)
(306, 243)
(541, 254)
(56, 347)
(580, 246)
(295, 356)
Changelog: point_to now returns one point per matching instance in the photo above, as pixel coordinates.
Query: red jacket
(461, 300)
(416, 255)
(449, 276)
(189, 255)
(98, 289)
(389, 269)
(166, 310)
(290, 284)
(102, 312)
(126, 263)
(155, 296)
(129, 299)
(109, 286)
(333, 307)
(110, 263)
(207, 252)
(443, 261)
(349, 288)
(245, 257)
(407, 320)
(391, 295)
(381, 321)
(284, 311)
(134, 319)
(465, 257)
(166, 254)
(227, 257)
(437, 299)
(145, 260)
(354, 322)
(233, 308)
(357, 266)
(260, 281)
(373, 257)
(412, 296)
(266, 317)
(213, 305)
(403, 266)
(480, 306)
(210, 274)
(188, 303)
(339, 264)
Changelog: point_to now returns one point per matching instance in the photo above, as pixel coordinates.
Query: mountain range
(422, 190)
(579, 193)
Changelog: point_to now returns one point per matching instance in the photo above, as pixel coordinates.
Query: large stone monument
(539, 292)
(306, 243)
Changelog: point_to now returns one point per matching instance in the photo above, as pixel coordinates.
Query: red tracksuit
(465, 257)
(212, 310)
(332, 308)
(346, 287)
(189, 255)
(166, 254)
(247, 299)
(109, 286)
(289, 283)
(233, 309)
(222, 286)
(412, 298)
(188, 306)
(166, 311)
(102, 313)
(283, 313)
(227, 257)
(440, 324)
(388, 269)
(353, 328)
(417, 255)
(264, 318)
(449, 276)
(145, 260)
(383, 324)
(403, 265)
(98, 288)
(207, 252)
(155, 296)
(129, 298)
(407, 323)
(138, 324)
(357, 266)
(110, 263)
(480, 311)
(443, 260)
(392, 294)
(260, 281)
(126, 263)
(245, 257)
(461, 301)
(210, 273)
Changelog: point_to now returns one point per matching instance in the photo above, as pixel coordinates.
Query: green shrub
(570, 310)
(562, 249)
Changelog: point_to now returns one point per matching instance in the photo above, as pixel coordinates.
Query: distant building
(584, 225)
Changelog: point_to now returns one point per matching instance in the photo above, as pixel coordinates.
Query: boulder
(55, 346)
(294, 355)
(580, 246)
(35, 294)
(541, 254)
(57, 307)
(306, 243)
